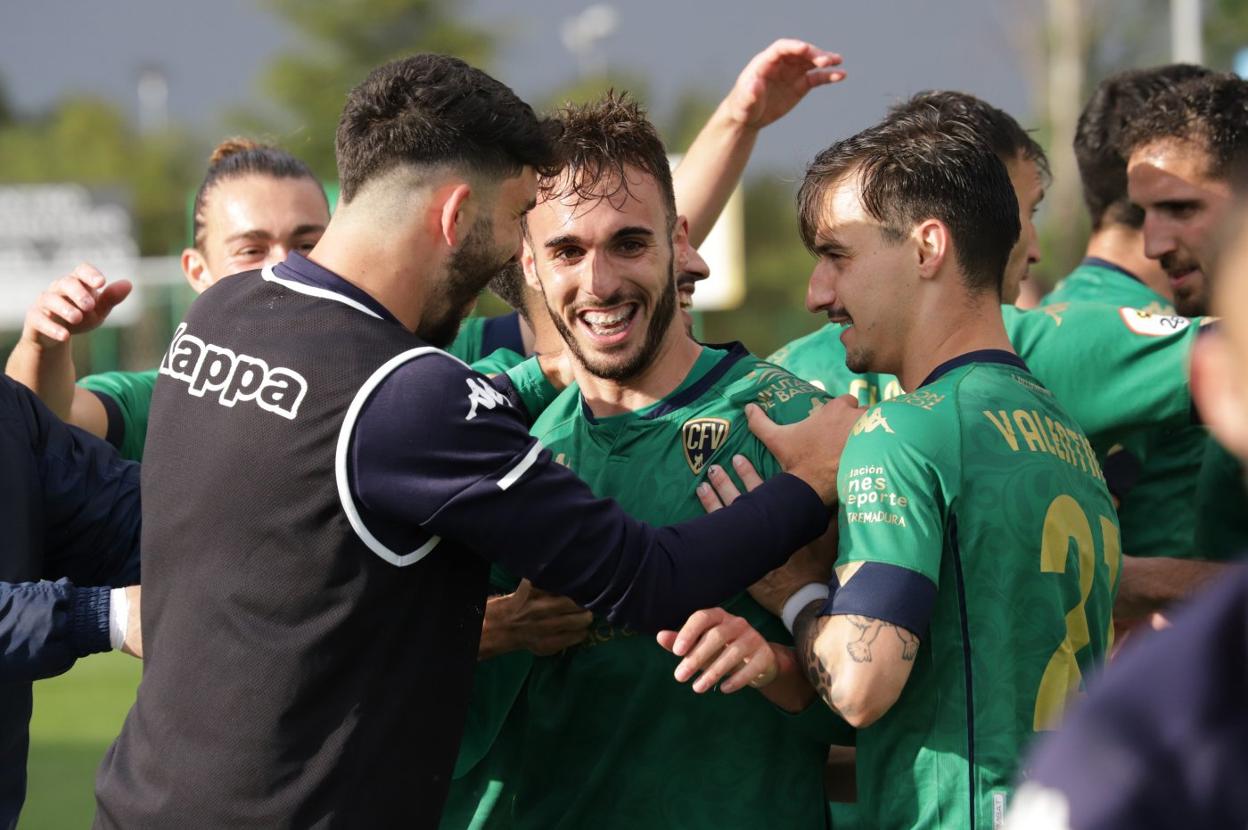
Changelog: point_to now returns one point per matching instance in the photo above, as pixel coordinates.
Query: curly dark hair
(1210, 110)
(597, 141)
(923, 163)
(433, 110)
(1117, 102)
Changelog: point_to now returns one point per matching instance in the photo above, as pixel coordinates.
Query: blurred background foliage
(89, 140)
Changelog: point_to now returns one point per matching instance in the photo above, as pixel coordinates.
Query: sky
(213, 54)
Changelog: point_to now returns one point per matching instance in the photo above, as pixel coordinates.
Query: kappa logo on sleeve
(236, 377)
(482, 393)
(870, 421)
(1148, 324)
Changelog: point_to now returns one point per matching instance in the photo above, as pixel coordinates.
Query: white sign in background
(724, 252)
(47, 229)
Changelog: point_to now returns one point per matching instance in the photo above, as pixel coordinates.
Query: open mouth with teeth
(608, 326)
(841, 317)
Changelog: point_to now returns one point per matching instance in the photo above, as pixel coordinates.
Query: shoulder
(425, 383)
(562, 410)
(920, 424)
(785, 397)
(120, 384)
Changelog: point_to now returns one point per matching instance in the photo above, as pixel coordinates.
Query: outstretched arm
(771, 84)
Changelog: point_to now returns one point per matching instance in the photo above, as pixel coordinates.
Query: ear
(530, 267)
(1218, 392)
(452, 212)
(931, 238)
(195, 267)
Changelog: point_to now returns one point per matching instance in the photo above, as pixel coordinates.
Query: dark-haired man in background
(343, 482)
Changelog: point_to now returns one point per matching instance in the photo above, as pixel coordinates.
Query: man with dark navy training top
(326, 489)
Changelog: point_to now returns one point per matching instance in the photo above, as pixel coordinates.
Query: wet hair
(434, 110)
(1117, 102)
(598, 140)
(237, 157)
(995, 127)
(923, 163)
(1210, 110)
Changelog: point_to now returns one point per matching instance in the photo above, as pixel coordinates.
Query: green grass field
(77, 715)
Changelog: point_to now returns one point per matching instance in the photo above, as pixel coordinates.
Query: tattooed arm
(858, 665)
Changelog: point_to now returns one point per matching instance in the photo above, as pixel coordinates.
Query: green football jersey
(131, 392)
(1169, 459)
(819, 359)
(498, 361)
(980, 482)
(610, 739)
(467, 344)
(1222, 506)
(1117, 371)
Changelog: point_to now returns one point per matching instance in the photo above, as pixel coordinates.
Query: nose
(1158, 240)
(820, 294)
(692, 264)
(278, 252)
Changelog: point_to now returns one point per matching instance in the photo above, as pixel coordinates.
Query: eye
(567, 253)
(251, 251)
(631, 246)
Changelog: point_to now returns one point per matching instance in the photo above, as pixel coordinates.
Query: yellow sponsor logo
(870, 422)
(923, 398)
(1055, 311)
(701, 438)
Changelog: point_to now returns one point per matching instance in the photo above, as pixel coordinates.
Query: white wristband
(118, 617)
(804, 596)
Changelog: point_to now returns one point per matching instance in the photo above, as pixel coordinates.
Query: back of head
(995, 127)
(429, 111)
(1209, 111)
(1118, 102)
(918, 164)
(236, 157)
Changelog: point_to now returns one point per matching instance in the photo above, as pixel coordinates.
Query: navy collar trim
(319, 281)
(1097, 262)
(977, 356)
(736, 351)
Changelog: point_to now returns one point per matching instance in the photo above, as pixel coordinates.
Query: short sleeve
(892, 502)
(130, 394)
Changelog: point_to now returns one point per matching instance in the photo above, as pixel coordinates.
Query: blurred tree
(342, 42)
(89, 141)
(1226, 31)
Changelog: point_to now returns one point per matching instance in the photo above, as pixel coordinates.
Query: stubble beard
(468, 271)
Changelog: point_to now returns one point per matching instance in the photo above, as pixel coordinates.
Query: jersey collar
(301, 274)
(690, 392)
(977, 356)
(1106, 265)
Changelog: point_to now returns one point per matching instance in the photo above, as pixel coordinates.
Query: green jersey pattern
(980, 482)
(132, 392)
(1222, 506)
(467, 345)
(819, 359)
(1170, 458)
(610, 740)
(1117, 371)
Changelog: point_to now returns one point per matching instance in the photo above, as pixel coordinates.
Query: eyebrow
(573, 239)
(257, 234)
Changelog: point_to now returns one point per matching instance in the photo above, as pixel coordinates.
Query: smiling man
(600, 735)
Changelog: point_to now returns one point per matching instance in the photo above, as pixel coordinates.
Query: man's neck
(966, 327)
(370, 259)
(669, 368)
(1124, 247)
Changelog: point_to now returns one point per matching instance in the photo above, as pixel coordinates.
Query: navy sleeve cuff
(89, 621)
(116, 431)
(885, 592)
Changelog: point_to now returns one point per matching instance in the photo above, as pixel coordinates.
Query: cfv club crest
(701, 437)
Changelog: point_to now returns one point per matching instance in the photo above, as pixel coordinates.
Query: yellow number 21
(1065, 522)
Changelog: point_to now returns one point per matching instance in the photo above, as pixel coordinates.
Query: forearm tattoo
(869, 629)
(809, 624)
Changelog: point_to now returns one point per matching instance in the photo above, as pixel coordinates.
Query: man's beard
(632, 366)
(468, 271)
(1192, 298)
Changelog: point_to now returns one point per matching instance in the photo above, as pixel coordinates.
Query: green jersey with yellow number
(981, 483)
(609, 738)
(1168, 459)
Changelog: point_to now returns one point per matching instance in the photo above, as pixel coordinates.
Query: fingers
(745, 470)
(757, 670)
(759, 423)
(666, 639)
(693, 628)
(706, 495)
(724, 486)
(112, 294)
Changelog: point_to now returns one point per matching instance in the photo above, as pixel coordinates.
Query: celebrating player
(341, 544)
(255, 205)
(962, 502)
(601, 247)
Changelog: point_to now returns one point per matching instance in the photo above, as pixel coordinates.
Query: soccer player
(978, 543)
(1160, 740)
(768, 88)
(346, 483)
(601, 247)
(255, 205)
(1181, 154)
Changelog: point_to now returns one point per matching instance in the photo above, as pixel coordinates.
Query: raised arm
(771, 84)
(43, 359)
